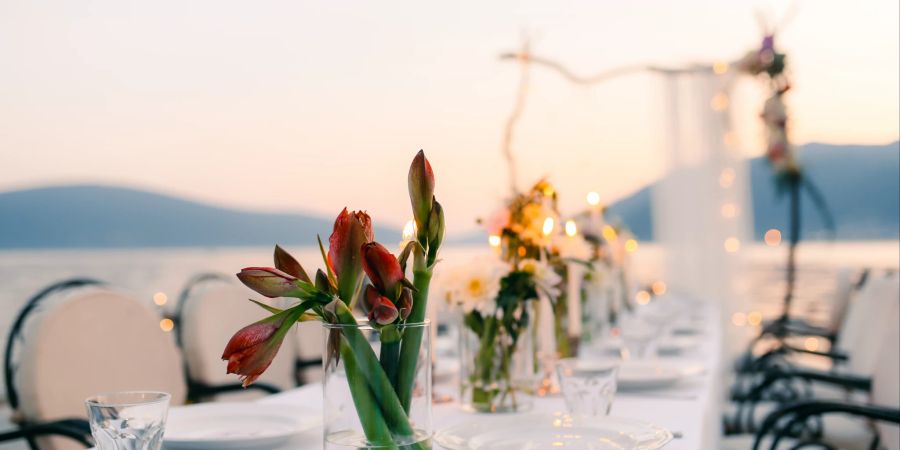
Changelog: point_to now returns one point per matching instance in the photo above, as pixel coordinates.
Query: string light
(658, 287)
(729, 138)
(754, 318)
(548, 226)
(166, 325)
(732, 244)
(739, 319)
(571, 228)
(811, 344)
(160, 298)
(593, 198)
(720, 67)
(494, 240)
(773, 237)
(726, 178)
(729, 210)
(631, 246)
(609, 233)
(719, 102)
(642, 297)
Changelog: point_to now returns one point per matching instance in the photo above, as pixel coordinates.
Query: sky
(311, 106)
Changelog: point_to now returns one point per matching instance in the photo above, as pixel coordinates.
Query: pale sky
(315, 105)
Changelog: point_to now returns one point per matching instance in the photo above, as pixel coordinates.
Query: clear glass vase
(498, 370)
(377, 387)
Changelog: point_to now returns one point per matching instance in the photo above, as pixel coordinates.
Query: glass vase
(377, 394)
(498, 370)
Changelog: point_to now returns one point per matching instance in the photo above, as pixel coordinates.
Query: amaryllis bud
(289, 265)
(382, 268)
(370, 298)
(252, 349)
(436, 226)
(351, 230)
(322, 282)
(269, 282)
(404, 303)
(383, 312)
(421, 191)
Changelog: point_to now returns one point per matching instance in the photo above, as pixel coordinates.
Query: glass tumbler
(128, 420)
(589, 388)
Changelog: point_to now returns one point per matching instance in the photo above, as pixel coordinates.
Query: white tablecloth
(690, 409)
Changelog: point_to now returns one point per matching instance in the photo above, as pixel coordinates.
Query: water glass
(128, 420)
(588, 387)
(640, 340)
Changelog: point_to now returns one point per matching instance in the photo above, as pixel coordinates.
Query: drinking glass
(128, 420)
(588, 387)
(640, 340)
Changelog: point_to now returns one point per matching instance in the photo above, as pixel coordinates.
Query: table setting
(529, 354)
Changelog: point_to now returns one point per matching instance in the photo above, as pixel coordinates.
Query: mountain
(106, 217)
(861, 185)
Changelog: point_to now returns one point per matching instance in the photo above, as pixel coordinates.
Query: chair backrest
(86, 342)
(886, 381)
(867, 319)
(211, 314)
(845, 286)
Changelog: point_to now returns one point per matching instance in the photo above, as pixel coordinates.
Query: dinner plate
(235, 426)
(639, 375)
(538, 431)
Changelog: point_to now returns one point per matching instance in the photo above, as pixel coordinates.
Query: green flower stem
(390, 353)
(412, 337)
(369, 368)
(370, 417)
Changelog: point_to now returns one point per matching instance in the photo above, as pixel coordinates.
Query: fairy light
(773, 237)
(571, 228)
(593, 198)
(409, 230)
(811, 344)
(166, 325)
(739, 319)
(548, 226)
(732, 245)
(659, 287)
(720, 67)
(609, 233)
(494, 240)
(631, 246)
(754, 318)
(160, 298)
(726, 178)
(642, 297)
(719, 102)
(729, 210)
(729, 138)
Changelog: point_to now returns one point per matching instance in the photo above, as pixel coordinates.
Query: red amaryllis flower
(252, 349)
(268, 281)
(351, 230)
(382, 268)
(421, 190)
(383, 311)
(404, 303)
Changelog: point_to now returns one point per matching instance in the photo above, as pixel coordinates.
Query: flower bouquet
(381, 358)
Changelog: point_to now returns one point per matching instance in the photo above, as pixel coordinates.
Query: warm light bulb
(729, 210)
(732, 244)
(720, 67)
(571, 228)
(409, 230)
(659, 287)
(593, 198)
(739, 319)
(548, 226)
(631, 246)
(773, 237)
(719, 102)
(160, 298)
(754, 318)
(642, 298)
(609, 233)
(726, 178)
(166, 325)
(494, 240)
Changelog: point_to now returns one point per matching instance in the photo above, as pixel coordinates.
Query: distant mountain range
(860, 183)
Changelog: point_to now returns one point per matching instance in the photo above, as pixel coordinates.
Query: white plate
(668, 346)
(638, 375)
(552, 431)
(235, 426)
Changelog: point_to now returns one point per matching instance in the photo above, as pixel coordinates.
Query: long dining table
(691, 409)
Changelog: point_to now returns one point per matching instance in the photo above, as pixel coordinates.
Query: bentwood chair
(210, 309)
(871, 424)
(78, 338)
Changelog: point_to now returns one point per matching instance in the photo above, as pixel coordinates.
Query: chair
(210, 308)
(831, 424)
(78, 338)
(782, 381)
